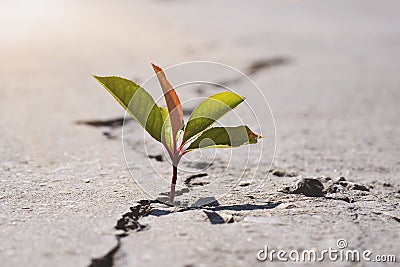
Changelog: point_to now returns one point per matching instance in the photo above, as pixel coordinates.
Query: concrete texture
(64, 185)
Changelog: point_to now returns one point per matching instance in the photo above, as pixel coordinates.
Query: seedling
(166, 125)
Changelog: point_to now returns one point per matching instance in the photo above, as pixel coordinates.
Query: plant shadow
(211, 206)
(246, 207)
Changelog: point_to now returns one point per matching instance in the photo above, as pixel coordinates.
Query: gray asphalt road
(330, 73)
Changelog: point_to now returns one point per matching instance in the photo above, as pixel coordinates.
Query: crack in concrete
(130, 220)
(128, 223)
(112, 123)
(193, 180)
(108, 259)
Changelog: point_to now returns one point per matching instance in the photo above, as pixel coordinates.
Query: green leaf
(136, 101)
(166, 135)
(209, 111)
(224, 137)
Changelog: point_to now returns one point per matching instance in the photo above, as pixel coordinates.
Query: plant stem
(173, 183)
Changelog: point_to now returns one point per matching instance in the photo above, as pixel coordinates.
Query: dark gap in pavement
(157, 157)
(257, 66)
(266, 63)
(113, 123)
(129, 222)
(194, 181)
(245, 207)
(108, 259)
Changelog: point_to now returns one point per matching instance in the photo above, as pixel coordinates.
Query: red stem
(176, 157)
(173, 183)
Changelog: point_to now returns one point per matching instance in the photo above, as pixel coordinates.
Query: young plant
(165, 124)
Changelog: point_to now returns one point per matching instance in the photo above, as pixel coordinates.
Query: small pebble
(306, 186)
(244, 183)
(279, 172)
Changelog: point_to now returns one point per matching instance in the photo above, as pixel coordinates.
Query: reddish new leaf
(173, 102)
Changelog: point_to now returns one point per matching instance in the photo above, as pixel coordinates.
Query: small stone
(283, 173)
(279, 172)
(339, 196)
(244, 183)
(109, 135)
(385, 184)
(307, 186)
(341, 179)
(335, 188)
(157, 157)
(86, 181)
(286, 206)
(327, 179)
(360, 187)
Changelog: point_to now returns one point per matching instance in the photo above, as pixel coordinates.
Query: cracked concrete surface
(334, 93)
